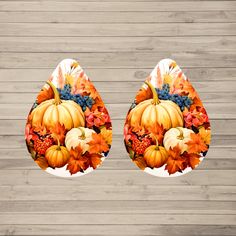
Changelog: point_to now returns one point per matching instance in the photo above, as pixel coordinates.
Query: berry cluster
(41, 146)
(140, 146)
(83, 101)
(181, 101)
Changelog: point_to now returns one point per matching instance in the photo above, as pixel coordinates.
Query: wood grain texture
(118, 43)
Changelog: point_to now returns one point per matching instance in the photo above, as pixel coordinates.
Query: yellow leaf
(205, 135)
(107, 135)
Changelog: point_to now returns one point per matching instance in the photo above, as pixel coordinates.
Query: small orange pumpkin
(152, 111)
(155, 156)
(50, 112)
(57, 156)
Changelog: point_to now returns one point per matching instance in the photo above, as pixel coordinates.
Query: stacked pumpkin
(167, 129)
(61, 132)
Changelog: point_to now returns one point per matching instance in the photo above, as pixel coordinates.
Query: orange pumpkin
(152, 111)
(50, 112)
(155, 156)
(57, 156)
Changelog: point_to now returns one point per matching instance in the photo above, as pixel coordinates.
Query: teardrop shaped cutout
(68, 131)
(167, 131)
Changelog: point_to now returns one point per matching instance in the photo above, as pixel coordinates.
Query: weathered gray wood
(118, 44)
(117, 6)
(118, 17)
(134, 230)
(120, 219)
(142, 192)
(109, 206)
(118, 60)
(144, 29)
(135, 178)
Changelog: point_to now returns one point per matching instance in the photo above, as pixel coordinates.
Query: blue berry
(181, 101)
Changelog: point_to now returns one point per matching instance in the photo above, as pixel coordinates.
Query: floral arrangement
(68, 130)
(167, 130)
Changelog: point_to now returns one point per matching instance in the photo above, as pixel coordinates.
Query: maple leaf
(97, 144)
(107, 135)
(94, 160)
(140, 162)
(40, 129)
(84, 86)
(196, 144)
(45, 94)
(58, 132)
(138, 129)
(42, 163)
(192, 159)
(183, 86)
(143, 94)
(156, 132)
(77, 162)
(97, 103)
(205, 135)
(175, 161)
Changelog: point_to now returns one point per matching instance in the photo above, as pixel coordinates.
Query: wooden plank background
(117, 43)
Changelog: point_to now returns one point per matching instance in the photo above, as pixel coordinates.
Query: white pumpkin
(79, 136)
(177, 136)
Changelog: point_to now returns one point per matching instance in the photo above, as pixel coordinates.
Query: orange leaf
(45, 94)
(140, 162)
(143, 94)
(192, 159)
(196, 144)
(42, 163)
(175, 161)
(156, 132)
(40, 129)
(77, 161)
(205, 135)
(95, 160)
(97, 144)
(107, 135)
(58, 132)
(84, 86)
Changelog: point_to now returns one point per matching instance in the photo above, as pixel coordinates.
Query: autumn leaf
(97, 103)
(42, 163)
(77, 162)
(106, 135)
(138, 129)
(95, 160)
(182, 86)
(192, 159)
(84, 86)
(205, 135)
(45, 94)
(143, 94)
(140, 162)
(97, 144)
(40, 129)
(175, 161)
(196, 144)
(156, 132)
(58, 132)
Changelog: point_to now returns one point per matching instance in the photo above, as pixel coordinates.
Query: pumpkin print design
(167, 131)
(68, 131)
